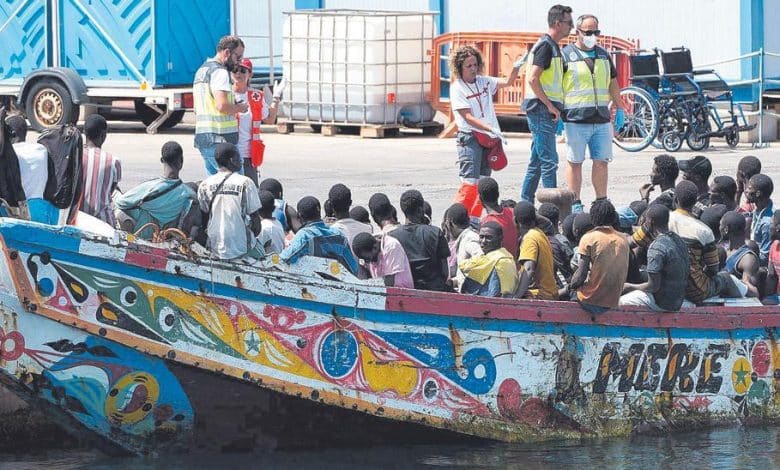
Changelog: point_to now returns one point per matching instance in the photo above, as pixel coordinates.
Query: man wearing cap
(250, 144)
(589, 83)
(697, 170)
(215, 108)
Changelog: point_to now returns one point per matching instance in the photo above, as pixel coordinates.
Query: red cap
(246, 63)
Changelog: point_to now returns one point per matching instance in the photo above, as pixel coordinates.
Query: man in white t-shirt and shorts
(229, 199)
(471, 97)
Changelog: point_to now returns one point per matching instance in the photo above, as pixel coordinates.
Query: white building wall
(710, 28)
(250, 22)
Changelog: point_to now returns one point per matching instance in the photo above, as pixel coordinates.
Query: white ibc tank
(355, 66)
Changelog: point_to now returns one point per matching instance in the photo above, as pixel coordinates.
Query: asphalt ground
(309, 164)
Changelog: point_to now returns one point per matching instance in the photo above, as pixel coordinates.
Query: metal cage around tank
(357, 67)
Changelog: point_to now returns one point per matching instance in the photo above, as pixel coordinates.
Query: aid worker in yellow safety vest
(263, 107)
(543, 101)
(589, 85)
(215, 109)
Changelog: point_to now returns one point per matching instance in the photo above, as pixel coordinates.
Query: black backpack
(65, 184)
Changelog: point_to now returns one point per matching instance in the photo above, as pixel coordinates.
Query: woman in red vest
(250, 143)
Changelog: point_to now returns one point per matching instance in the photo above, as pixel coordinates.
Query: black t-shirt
(425, 247)
(668, 256)
(544, 53)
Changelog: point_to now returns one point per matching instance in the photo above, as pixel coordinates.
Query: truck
(58, 56)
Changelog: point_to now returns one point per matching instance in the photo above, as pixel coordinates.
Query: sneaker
(577, 207)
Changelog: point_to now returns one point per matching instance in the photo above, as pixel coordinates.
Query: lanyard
(476, 95)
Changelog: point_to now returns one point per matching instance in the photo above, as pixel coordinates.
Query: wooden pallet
(366, 131)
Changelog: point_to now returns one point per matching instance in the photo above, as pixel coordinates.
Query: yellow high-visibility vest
(551, 78)
(207, 118)
(585, 92)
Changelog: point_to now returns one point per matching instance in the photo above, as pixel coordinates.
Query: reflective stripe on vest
(586, 93)
(207, 118)
(551, 78)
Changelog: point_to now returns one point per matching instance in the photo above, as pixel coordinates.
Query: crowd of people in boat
(700, 238)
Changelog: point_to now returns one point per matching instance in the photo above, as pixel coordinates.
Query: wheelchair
(680, 105)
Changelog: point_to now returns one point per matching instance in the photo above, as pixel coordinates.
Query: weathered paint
(512, 370)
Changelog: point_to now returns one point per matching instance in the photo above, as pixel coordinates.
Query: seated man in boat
(271, 236)
(100, 172)
(741, 260)
(704, 280)
(772, 285)
(34, 170)
(758, 192)
(383, 212)
(424, 244)
(463, 241)
(697, 170)
(228, 200)
(385, 258)
(283, 212)
(340, 198)
(562, 251)
(165, 201)
(315, 238)
(603, 264)
(536, 257)
(489, 196)
(667, 266)
(493, 274)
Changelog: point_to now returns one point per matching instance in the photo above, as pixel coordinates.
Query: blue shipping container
(111, 42)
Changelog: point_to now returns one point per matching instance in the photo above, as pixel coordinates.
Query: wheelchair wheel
(699, 126)
(671, 141)
(732, 139)
(641, 123)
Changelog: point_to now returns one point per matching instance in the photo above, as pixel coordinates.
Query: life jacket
(207, 118)
(256, 144)
(551, 78)
(586, 92)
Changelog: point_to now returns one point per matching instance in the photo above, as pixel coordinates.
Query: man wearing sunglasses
(215, 107)
(588, 86)
(543, 101)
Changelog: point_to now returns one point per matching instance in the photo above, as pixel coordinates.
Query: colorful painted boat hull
(150, 349)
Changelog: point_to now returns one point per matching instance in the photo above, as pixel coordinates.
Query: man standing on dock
(543, 102)
(215, 109)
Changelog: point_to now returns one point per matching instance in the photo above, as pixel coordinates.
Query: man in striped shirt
(101, 171)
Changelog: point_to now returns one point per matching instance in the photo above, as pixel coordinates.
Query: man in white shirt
(228, 199)
(34, 169)
(340, 198)
(272, 234)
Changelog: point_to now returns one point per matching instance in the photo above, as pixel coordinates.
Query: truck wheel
(148, 115)
(49, 104)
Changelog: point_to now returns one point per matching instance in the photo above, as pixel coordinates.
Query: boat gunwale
(437, 303)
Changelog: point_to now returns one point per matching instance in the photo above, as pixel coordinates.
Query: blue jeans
(207, 144)
(544, 155)
(207, 152)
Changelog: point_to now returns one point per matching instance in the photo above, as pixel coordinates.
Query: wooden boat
(149, 349)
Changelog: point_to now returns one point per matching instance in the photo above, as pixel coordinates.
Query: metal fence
(760, 80)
